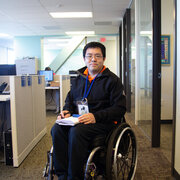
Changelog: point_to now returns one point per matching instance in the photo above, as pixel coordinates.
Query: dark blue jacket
(106, 99)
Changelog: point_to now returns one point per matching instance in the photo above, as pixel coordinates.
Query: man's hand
(87, 118)
(64, 114)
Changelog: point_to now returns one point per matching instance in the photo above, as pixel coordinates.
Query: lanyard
(86, 94)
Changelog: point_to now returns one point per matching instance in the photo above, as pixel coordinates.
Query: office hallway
(152, 164)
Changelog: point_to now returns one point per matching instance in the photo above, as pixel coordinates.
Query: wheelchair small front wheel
(49, 169)
(95, 164)
(121, 158)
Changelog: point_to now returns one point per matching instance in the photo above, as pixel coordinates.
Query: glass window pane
(145, 64)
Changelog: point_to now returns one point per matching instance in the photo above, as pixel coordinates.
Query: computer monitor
(7, 69)
(48, 75)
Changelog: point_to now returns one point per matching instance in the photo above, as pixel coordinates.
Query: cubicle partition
(28, 115)
(60, 84)
(64, 88)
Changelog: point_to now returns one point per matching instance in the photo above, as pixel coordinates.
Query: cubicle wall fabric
(64, 88)
(28, 116)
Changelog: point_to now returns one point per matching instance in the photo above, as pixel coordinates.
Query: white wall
(177, 129)
(167, 28)
(111, 55)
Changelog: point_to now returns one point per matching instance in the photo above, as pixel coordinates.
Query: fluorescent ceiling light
(80, 32)
(59, 40)
(71, 14)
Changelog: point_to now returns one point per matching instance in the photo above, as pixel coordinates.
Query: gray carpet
(152, 164)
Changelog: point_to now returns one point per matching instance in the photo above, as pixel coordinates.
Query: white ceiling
(31, 17)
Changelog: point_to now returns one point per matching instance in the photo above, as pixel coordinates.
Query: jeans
(70, 148)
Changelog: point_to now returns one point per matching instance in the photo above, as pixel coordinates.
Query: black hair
(47, 69)
(95, 45)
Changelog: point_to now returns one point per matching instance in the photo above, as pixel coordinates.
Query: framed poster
(165, 49)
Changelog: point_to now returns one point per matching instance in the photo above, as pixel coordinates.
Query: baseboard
(176, 174)
(166, 121)
(163, 121)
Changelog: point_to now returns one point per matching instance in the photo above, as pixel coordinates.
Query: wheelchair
(111, 157)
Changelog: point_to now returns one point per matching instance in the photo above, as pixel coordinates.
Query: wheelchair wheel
(121, 158)
(95, 164)
(49, 171)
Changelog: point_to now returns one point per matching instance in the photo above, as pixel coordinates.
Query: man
(97, 96)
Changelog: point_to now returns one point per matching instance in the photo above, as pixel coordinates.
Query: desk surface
(4, 97)
(52, 87)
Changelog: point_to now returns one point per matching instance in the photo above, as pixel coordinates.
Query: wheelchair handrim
(134, 153)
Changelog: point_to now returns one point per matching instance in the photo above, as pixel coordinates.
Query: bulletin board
(165, 49)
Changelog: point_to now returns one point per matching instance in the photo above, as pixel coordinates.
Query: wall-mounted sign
(165, 49)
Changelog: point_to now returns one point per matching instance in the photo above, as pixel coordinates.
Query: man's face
(94, 60)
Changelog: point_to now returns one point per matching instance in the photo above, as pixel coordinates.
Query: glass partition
(145, 66)
(74, 62)
(58, 47)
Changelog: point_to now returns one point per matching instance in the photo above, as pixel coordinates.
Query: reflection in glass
(132, 60)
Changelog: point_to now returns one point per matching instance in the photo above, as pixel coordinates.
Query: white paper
(70, 121)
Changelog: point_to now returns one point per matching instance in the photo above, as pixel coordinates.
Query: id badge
(83, 107)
